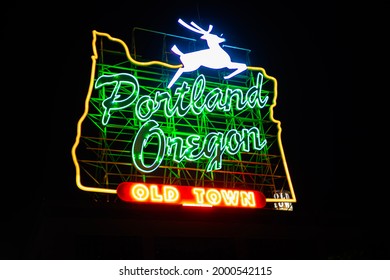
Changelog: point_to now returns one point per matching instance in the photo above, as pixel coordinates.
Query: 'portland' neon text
(186, 99)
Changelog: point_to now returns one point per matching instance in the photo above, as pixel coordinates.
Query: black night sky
(46, 60)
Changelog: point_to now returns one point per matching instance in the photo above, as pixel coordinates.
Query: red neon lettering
(154, 195)
(230, 197)
(213, 197)
(171, 194)
(199, 195)
(140, 192)
(189, 196)
(248, 199)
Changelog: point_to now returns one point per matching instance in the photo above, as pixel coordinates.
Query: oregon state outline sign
(193, 129)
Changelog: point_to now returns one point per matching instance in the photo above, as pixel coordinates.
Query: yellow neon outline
(90, 90)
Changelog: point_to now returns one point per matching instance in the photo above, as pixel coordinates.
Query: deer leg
(239, 68)
(177, 75)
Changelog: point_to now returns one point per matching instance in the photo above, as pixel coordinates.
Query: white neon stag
(214, 57)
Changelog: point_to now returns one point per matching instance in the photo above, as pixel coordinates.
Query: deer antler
(204, 31)
(198, 29)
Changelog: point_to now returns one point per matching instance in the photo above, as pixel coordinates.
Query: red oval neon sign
(190, 196)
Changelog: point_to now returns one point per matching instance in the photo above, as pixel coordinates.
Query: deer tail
(176, 50)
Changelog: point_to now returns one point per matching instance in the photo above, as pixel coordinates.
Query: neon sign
(190, 196)
(150, 134)
(214, 144)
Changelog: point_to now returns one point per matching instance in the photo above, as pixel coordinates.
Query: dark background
(310, 48)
